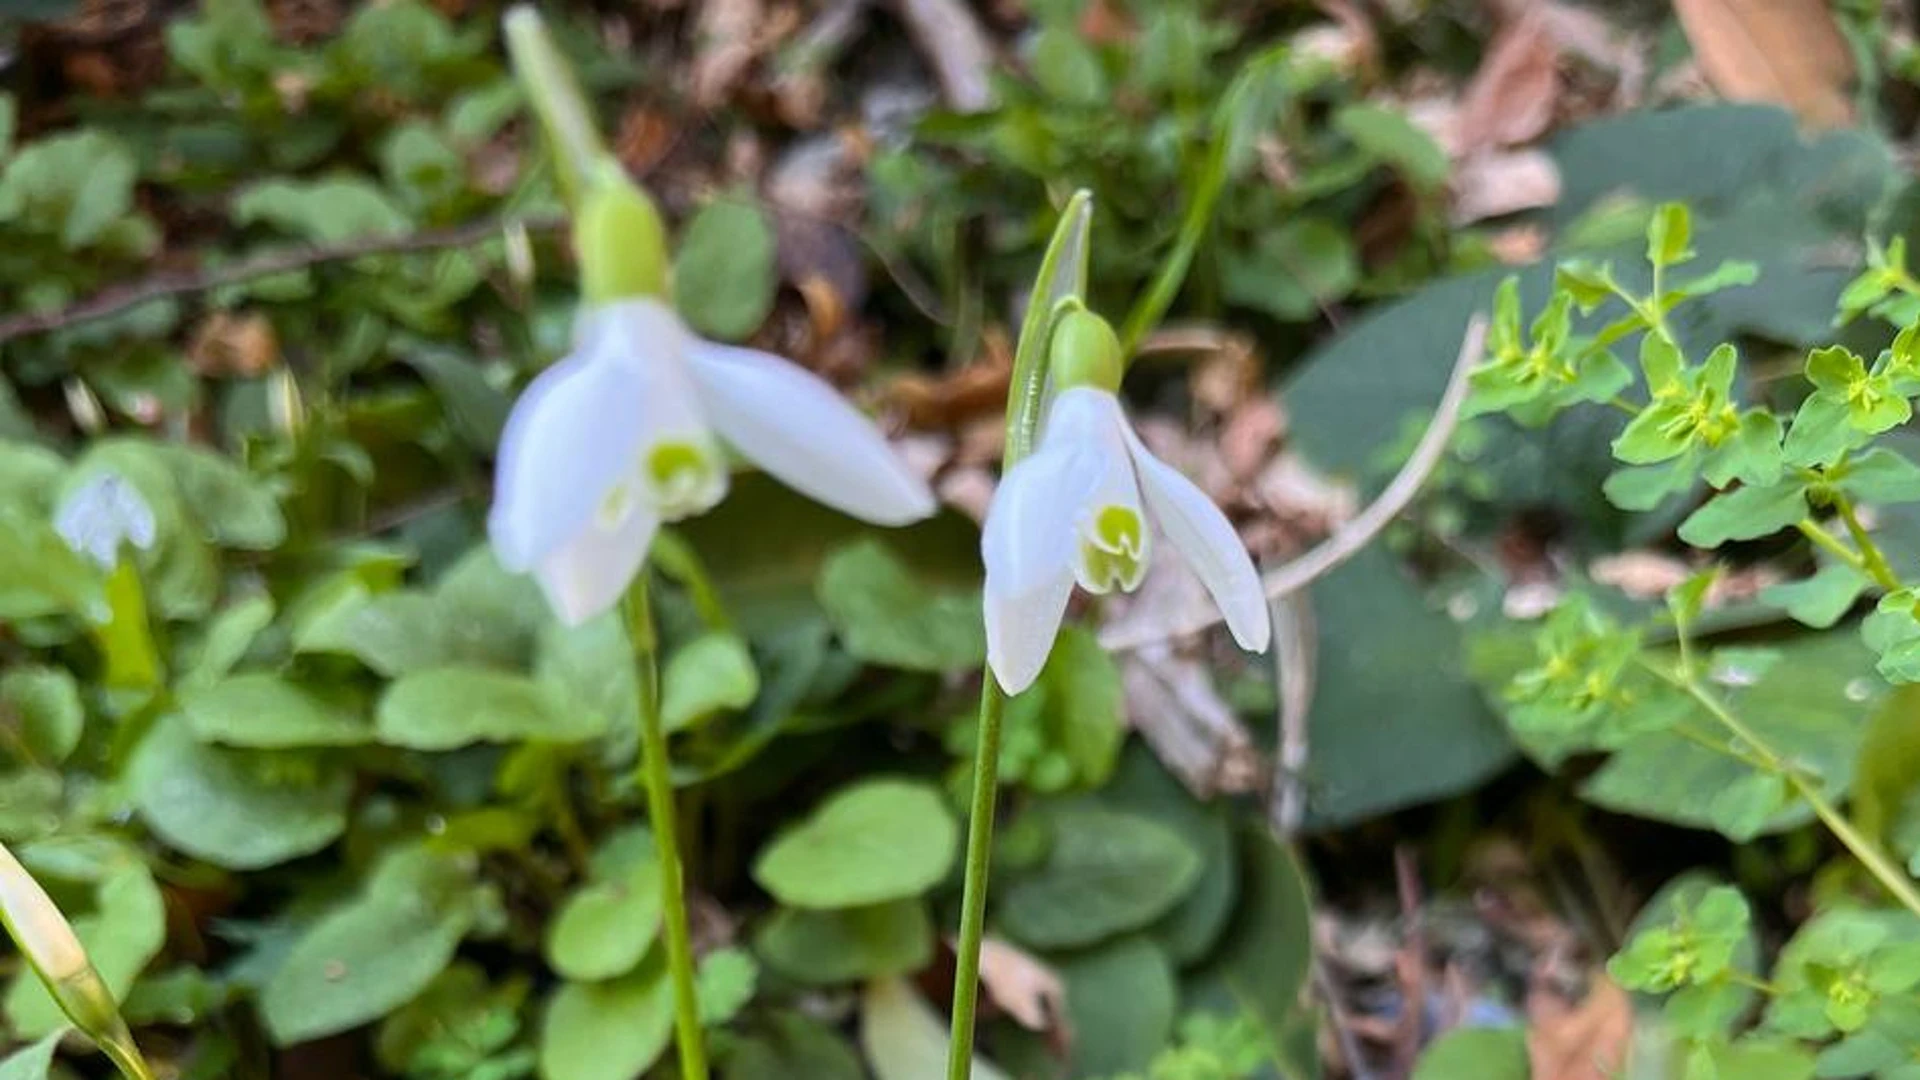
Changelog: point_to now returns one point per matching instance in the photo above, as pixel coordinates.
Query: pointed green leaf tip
(556, 99)
(1086, 351)
(619, 239)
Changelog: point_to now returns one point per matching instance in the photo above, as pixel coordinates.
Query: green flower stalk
(55, 954)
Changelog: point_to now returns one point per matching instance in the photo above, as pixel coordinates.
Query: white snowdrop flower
(103, 513)
(1088, 507)
(623, 434)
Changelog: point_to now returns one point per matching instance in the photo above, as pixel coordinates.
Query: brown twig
(1341, 1022)
(118, 298)
(1356, 534)
(1410, 964)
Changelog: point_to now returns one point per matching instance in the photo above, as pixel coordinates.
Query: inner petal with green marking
(683, 477)
(1113, 550)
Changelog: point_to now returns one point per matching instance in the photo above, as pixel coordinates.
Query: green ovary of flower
(1112, 552)
(680, 473)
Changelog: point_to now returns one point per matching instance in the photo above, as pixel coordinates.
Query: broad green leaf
(1068, 727)
(1121, 1000)
(35, 1061)
(267, 712)
(1475, 1053)
(1294, 270)
(240, 809)
(1262, 959)
(605, 927)
(1143, 786)
(787, 1045)
(892, 938)
(226, 640)
(373, 953)
(886, 615)
(724, 274)
(727, 979)
(1746, 513)
(1880, 475)
(1644, 487)
(1669, 235)
(327, 211)
(1822, 430)
(420, 162)
(1107, 873)
(712, 673)
(74, 185)
(880, 839)
(1819, 601)
(43, 706)
(592, 665)
(449, 707)
(1809, 707)
(611, 1030)
(230, 506)
(902, 1037)
(454, 1027)
(1388, 136)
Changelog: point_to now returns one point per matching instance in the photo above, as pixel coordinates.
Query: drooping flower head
(625, 433)
(1089, 506)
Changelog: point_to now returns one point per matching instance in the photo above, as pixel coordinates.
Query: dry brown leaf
(1788, 52)
(951, 400)
(229, 343)
(1496, 183)
(1248, 438)
(1028, 990)
(949, 36)
(1172, 702)
(1511, 98)
(1587, 1041)
(726, 42)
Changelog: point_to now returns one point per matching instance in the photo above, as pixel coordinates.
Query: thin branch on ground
(118, 298)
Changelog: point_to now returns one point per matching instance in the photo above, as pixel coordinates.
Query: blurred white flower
(620, 436)
(1084, 507)
(100, 515)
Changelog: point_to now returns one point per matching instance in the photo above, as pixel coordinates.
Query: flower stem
(973, 901)
(1873, 560)
(125, 1055)
(658, 781)
(1875, 860)
(1811, 529)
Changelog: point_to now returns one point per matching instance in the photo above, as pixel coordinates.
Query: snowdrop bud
(286, 410)
(619, 240)
(48, 942)
(1085, 352)
(556, 98)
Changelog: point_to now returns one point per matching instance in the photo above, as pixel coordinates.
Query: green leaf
(225, 641)
(1143, 786)
(1262, 960)
(1107, 873)
(1742, 808)
(711, 674)
(902, 1037)
(605, 927)
(1746, 513)
(1294, 270)
(42, 705)
(326, 211)
(1819, 601)
(1475, 1053)
(1808, 706)
(1121, 1000)
(1669, 234)
(1752, 455)
(724, 274)
(229, 505)
(1880, 475)
(1643, 487)
(32, 1062)
(727, 979)
(240, 809)
(1066, 66)
(450, 707)
(454, 1027)
(885, 615)
(1389, 137)
(786, 1046)
(1822, 430)
(894, 938)
(371, 954)
(267, 712)
(611, 1030)
(880, 839)
(75, 186)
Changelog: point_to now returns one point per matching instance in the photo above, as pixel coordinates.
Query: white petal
(571, 438)
(1199, 531)
(790, 423)
(587, 575)
(1027, 545)
(1092, 421)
